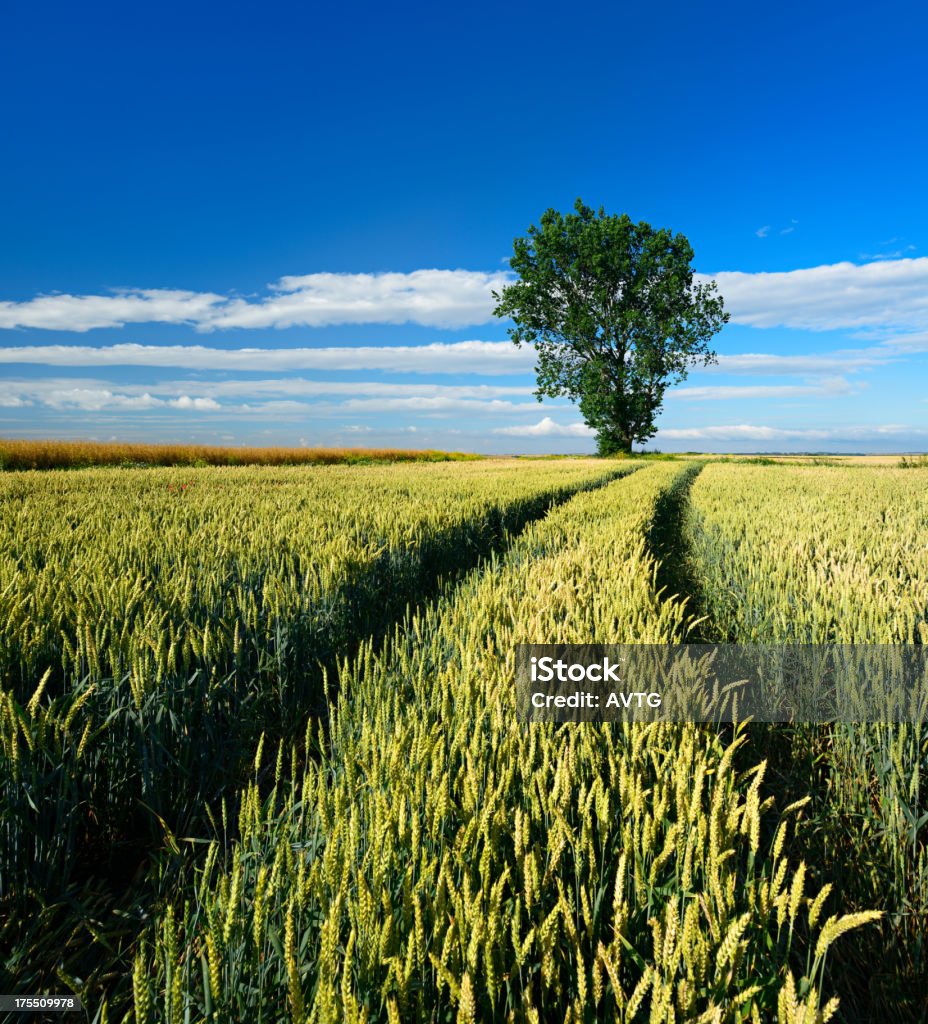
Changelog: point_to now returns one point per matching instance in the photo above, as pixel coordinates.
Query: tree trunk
(611, 441)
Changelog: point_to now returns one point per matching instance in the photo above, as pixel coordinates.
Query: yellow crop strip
(23, 454)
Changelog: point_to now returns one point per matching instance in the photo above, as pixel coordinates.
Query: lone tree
(614, 316)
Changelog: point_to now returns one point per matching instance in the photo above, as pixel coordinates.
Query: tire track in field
(117, 896)
(667, 542)
(435, 583)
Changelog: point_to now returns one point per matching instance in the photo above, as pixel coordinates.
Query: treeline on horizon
(51, 454)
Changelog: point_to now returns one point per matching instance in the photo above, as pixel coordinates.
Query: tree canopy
(614, 315)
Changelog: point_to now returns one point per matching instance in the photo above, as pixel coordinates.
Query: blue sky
(281, 223)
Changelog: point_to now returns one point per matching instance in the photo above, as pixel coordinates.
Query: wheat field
(261, 760)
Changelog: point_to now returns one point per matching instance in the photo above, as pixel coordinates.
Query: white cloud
(547, 428)
(479, 357)
(769, 364)
(829, 386)
(84, 312)
(300, 387)
(357, 429)
(894, 255)
(439, 404)
(278, 408)
(885, 294)
(429, 399)
(99, 399)
(890, 294)
(186, 402)
(908, 344)
(763, 232)
(751, 432)
(484, 358)
(433, 298)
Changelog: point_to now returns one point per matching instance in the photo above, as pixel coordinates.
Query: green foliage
(614, 314)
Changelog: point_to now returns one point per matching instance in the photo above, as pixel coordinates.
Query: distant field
(261, 761)
(17, 454)
(816, 459)
(51, 454)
